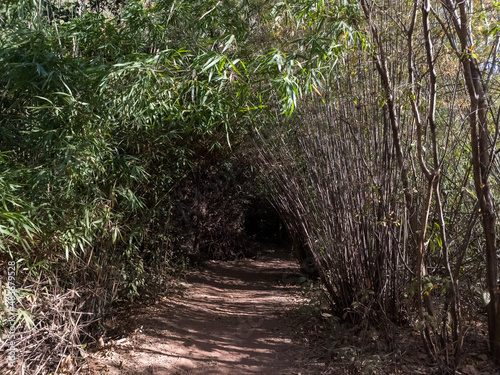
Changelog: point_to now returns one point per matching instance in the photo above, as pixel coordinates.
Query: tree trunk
(481, 159)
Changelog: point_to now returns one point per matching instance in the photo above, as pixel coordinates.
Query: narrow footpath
(237, 317)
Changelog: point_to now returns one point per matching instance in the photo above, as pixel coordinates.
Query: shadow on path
(231, 320)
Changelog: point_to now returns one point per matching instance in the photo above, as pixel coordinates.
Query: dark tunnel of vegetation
(263, 223)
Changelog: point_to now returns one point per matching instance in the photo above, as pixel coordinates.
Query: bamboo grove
(389, 173)
(373, 126)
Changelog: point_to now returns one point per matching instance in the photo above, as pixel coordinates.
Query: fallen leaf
(67, 366)
(100, 343)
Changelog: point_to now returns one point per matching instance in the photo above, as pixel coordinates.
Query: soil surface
(237, 317)
(250, 317)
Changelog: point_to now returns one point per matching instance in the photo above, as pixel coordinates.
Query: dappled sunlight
(231, 319)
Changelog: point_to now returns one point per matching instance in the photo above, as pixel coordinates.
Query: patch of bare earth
(247, 317)
(233, 318)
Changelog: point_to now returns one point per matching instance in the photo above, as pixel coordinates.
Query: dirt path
(234, 318)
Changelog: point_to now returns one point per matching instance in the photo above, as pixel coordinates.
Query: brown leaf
(67, 366)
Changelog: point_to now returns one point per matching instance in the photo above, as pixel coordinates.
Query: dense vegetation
(372, 125)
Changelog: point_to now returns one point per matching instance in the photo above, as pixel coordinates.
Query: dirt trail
(232, 319)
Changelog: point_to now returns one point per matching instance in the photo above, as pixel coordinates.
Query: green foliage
(105, 113)
(103, 116)
(16, 226)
